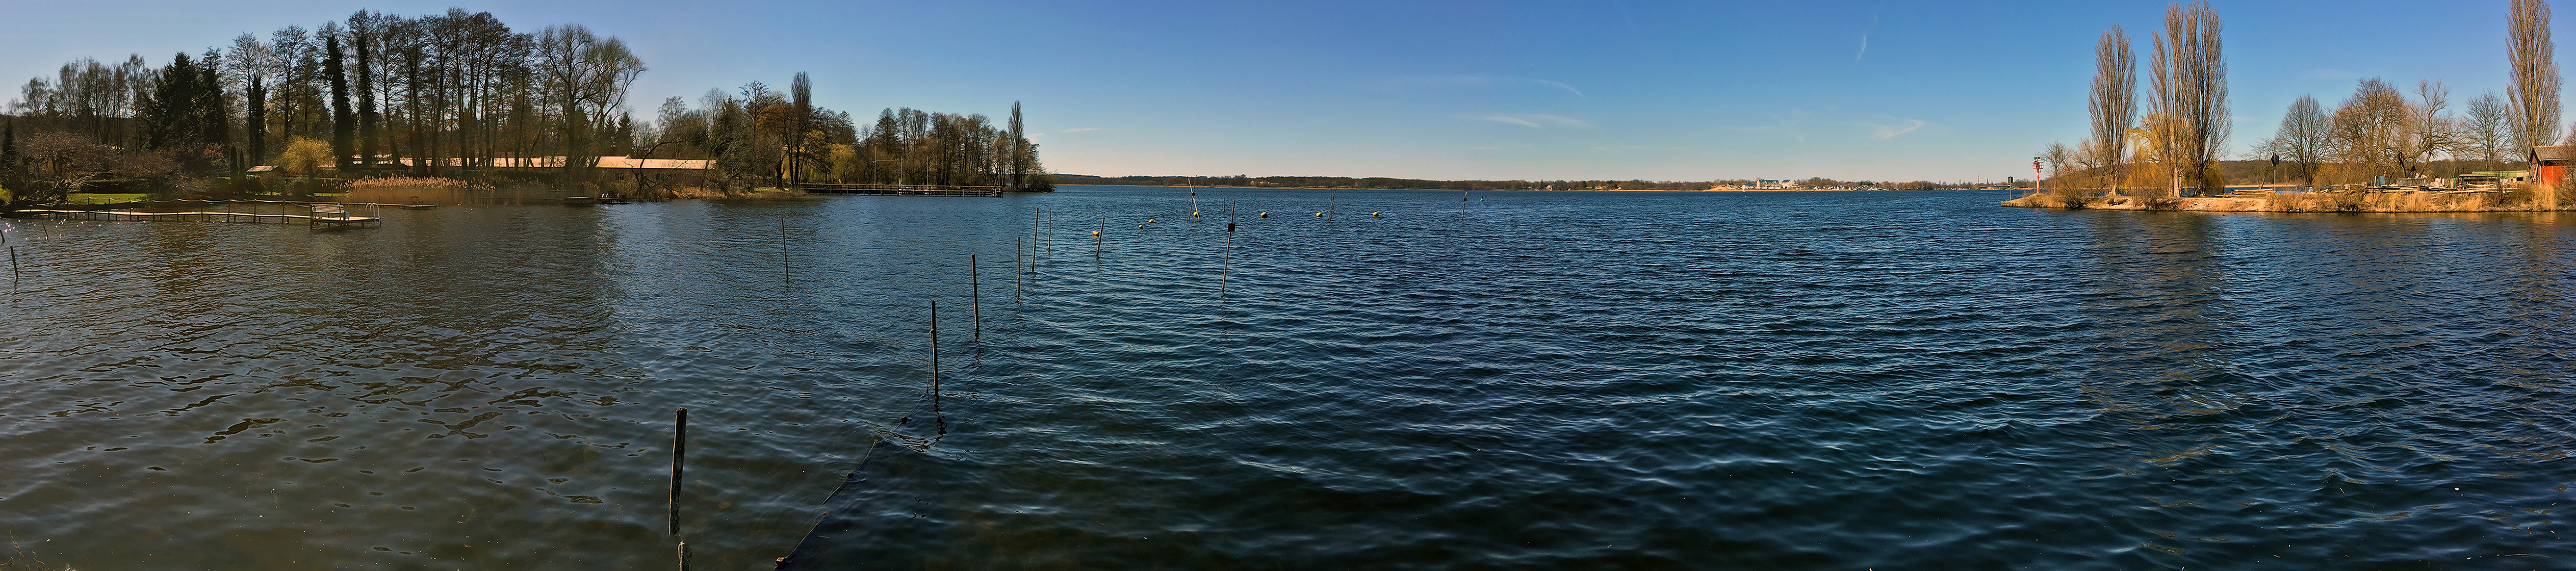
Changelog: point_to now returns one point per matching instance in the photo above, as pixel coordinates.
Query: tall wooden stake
(934, 354)
(975, 285)
(679, 457)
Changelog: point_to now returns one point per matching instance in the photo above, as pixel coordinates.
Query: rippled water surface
(1523, 380)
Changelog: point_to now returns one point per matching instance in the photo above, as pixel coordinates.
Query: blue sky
(1576, 89)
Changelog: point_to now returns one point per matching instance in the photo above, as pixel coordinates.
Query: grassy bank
(2533, 199)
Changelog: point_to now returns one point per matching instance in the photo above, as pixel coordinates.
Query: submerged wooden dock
(322, 216)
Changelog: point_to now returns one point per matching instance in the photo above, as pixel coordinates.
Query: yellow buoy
(1194, 214)
(1138, 227)
(1095, 232)
(1372, 214)
(1149, 221)
(1265, 215)
(1319, 215)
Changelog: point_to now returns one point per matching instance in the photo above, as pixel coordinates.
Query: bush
(305, 156)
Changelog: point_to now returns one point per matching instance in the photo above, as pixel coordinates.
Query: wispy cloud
(1885, 132)
(1539, 121)
(1567, 88)
(1864, 36)
(1455, 81)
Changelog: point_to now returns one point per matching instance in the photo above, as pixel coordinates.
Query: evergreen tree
(343, 127)
(255, 120)
(9, 155)
(213, 120)
(168, 117)
(366, 104)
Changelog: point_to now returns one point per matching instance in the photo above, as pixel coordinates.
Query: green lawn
(93, 198)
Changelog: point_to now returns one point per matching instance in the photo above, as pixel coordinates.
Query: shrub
(305, 156)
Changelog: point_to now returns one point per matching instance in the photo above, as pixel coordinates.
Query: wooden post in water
(784, 272)
(1015, 269)
(679, 457)
(934, 354)
(1227, 268)
(975, 289)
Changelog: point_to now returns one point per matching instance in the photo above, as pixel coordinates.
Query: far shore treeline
(458, 98)
(1817, 183)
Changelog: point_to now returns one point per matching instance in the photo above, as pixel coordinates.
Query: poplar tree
(2191, 95)
(2535, 75)
(801, 92)
(2114, 104)
(1018, 154)
(255, 119)
(366, 103)
(343, 127)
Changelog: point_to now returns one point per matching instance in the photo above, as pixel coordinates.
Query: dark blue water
(1526, 380)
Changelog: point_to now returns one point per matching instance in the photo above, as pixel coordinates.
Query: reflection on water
(1534, 380)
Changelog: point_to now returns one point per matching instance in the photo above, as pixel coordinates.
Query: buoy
(1265, 215)
(1095, 232)
(1140, 227)
(1149, 221)
(1194, 214)
(1319, 215)
(1372, 214)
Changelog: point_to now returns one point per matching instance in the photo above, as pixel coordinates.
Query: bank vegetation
(2386, 147)
(456, 96)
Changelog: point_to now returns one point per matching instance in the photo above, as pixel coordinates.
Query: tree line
(757, 134)
(2383, 130)
(428, 94)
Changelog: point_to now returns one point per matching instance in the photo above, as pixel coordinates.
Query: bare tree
(2191, 94)
(2488, 129)
(2535, 75)
(2305, 138)
(2429, 130)
(2370, 129)
(586, 78)
(2114, 103)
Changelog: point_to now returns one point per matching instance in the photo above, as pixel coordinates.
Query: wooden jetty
(322, 214)
(873, 518)
(903, 189)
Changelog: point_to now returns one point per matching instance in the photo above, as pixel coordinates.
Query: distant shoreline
(1517, 189)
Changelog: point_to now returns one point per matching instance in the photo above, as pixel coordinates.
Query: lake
(1482, 380)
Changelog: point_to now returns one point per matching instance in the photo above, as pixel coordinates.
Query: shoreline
(1533, 189)
(2411, 201)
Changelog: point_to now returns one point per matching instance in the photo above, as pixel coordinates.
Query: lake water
(1519, 380)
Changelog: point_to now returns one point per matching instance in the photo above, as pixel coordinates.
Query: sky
(1511, 89)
